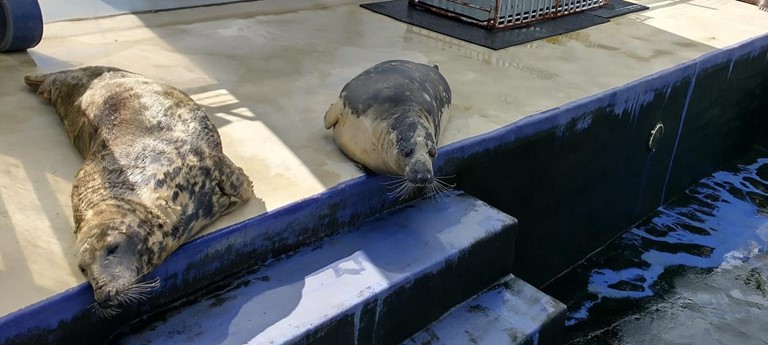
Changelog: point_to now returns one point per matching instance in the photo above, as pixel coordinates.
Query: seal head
(415, 147)
(107, 258)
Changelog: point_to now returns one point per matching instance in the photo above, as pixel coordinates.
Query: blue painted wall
(577, 176)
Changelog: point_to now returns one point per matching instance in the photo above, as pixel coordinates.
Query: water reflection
(719, 224)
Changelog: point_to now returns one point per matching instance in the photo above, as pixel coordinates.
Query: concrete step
(378, 284)
(510, 312)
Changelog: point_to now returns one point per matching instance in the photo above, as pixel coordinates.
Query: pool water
(694, 271)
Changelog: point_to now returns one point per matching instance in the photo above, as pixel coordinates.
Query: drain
(656, 134)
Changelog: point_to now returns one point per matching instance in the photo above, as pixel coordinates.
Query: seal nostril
(423, 177)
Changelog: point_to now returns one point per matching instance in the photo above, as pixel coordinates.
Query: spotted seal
(154, 175)
(388, 120)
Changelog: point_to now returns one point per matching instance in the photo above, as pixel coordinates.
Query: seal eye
(432, 153)
(408, 152)
(82, 270)
(112, 249)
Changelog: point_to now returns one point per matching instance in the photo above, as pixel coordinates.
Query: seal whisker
(432, 191)
(142, 288)
(400, 181)
(438, 190)
(154, 283)
(395, 184)
(396, 192)
(139, 289)
(445, 184)
(106, 312)
(396, 181)
(124, 299)
(408, 191)
(405, 191)
(156, 280)
(444, 177)
(400, 189)
(441, 191)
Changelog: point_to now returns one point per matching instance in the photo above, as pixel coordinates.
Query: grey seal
(154, 174)
(388, 119)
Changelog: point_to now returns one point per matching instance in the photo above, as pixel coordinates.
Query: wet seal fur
(154, 175)
(388, 120)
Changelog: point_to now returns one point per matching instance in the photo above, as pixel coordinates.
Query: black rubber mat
(615, 8)
(502, 38)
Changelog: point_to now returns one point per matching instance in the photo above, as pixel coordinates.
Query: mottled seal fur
(761, 4)
(154, 174)
(388, 119)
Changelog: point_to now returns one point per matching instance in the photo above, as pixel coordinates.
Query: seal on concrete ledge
(761, 4)
(154, 175)
(388, 120)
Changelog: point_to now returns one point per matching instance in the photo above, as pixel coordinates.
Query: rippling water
(694, 272)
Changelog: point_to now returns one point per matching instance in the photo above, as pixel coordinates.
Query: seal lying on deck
(388, 120)
(761, 4)
(154, 174)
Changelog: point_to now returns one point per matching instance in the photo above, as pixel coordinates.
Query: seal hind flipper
(332, 114)
(35, 81)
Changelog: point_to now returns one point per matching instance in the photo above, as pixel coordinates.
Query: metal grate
(496, 14)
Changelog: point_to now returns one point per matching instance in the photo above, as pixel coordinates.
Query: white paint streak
(357, 324)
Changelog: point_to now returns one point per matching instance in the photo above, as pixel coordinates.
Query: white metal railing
(506, 13)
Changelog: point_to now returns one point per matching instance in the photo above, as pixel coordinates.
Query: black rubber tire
(21, 25)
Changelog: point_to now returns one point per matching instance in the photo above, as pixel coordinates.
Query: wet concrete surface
(60, 10)
(695, 271)
(266, 71)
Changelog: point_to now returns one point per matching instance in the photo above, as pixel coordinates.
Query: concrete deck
(267, 71)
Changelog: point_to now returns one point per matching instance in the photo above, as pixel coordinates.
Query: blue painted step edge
(67, 318)
(511, 312)
(376, 285)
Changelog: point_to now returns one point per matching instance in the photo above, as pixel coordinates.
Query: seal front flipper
(234, 183)
(364, 169)
(332, 114)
